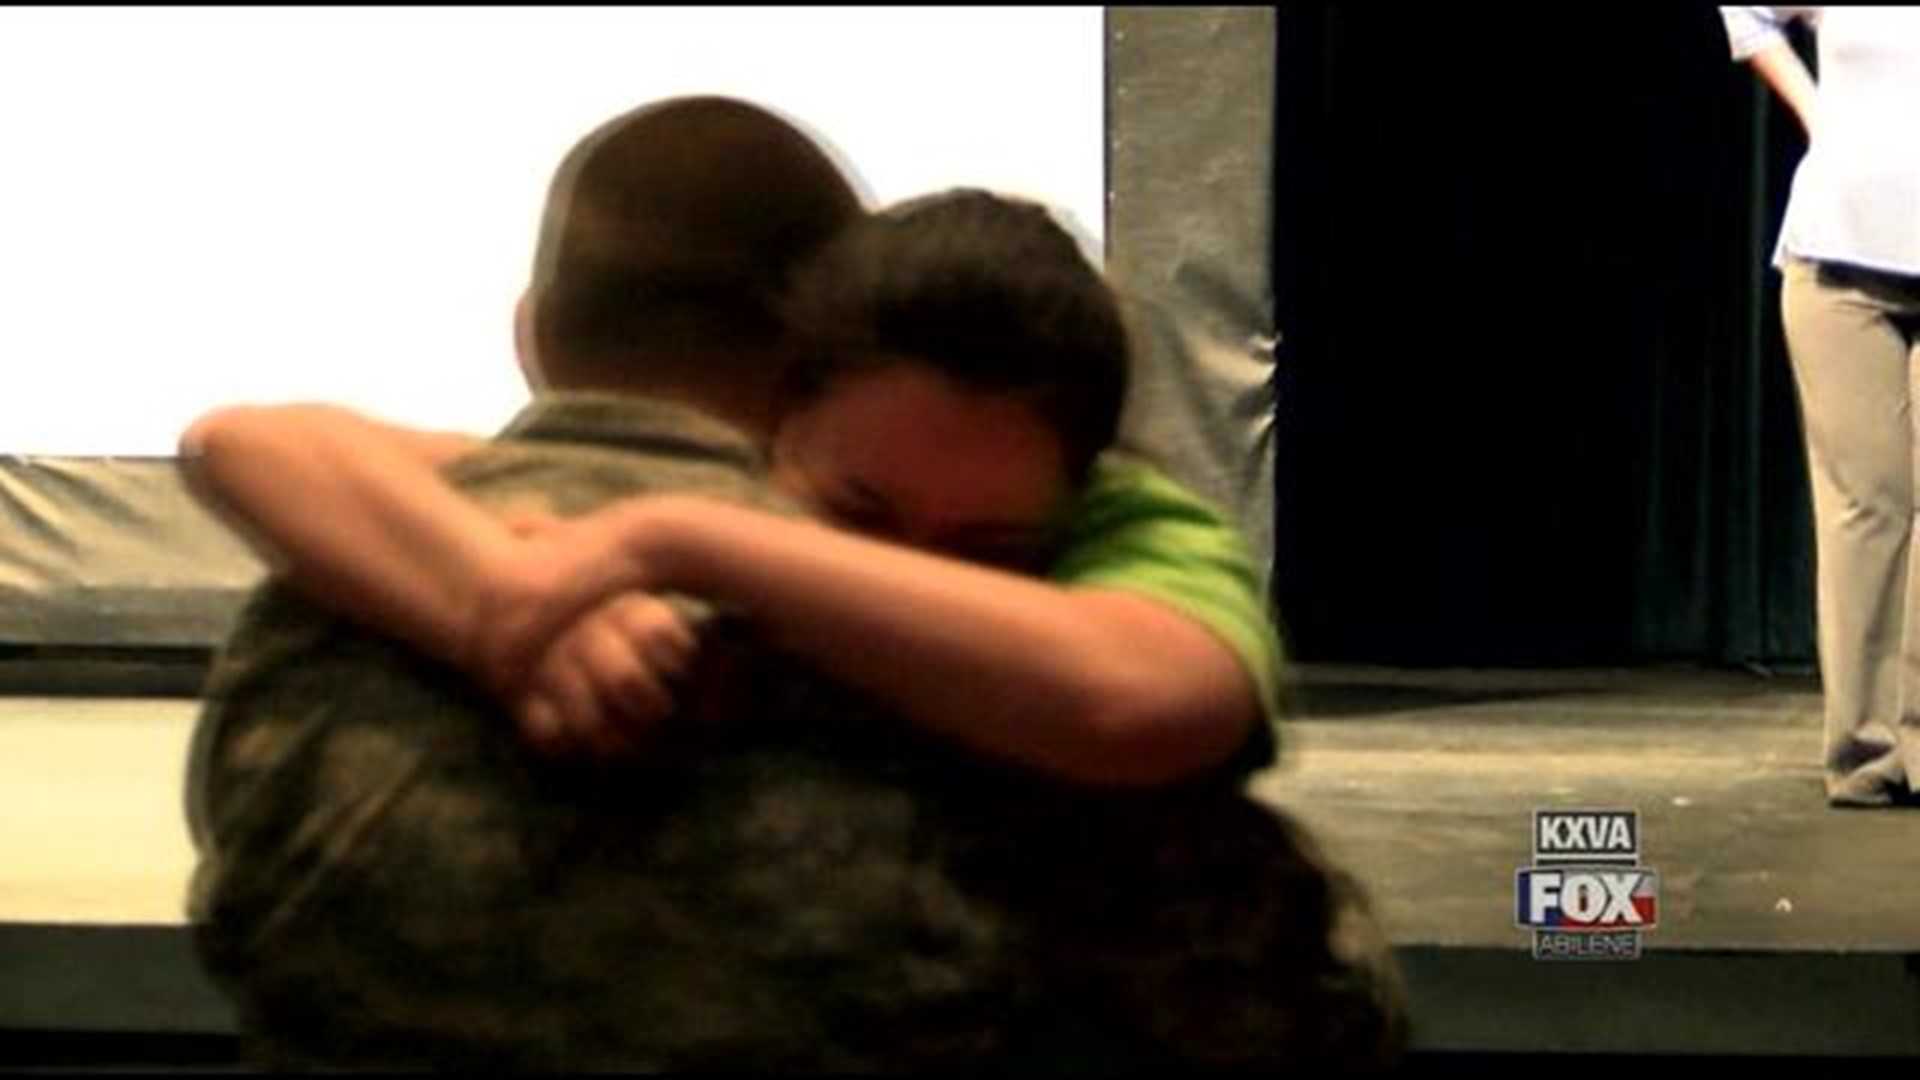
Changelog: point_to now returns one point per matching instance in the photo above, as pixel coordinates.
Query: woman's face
(905, 454)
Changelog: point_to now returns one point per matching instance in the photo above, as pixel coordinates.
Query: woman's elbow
(223, 431)
(204, 429)
(1145, 741)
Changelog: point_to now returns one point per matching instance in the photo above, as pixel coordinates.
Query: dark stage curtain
(1534, 407)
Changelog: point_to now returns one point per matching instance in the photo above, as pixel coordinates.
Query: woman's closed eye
(856, 507)
(1019, 549)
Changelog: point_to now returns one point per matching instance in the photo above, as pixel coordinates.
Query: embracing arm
(350, 511)
(356, 515)
(1094, 685)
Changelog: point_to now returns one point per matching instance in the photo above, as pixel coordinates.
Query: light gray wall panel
(1190, 95)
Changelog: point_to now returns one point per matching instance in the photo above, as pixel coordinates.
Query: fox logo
(1588, 898)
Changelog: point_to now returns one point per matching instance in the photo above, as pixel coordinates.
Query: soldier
(386, 878)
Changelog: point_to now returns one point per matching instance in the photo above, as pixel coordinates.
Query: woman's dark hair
(989, 291)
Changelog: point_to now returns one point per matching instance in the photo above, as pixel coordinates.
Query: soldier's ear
(524, 349)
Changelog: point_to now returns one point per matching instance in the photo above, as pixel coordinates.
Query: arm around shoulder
(350, 510)
(1093, 685)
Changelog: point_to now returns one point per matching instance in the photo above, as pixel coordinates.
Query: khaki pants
(1851, 336)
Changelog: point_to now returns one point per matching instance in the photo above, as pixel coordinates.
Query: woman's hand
(607, 681)
(566, 637)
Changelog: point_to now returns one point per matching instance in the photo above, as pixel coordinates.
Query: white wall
(200, 206)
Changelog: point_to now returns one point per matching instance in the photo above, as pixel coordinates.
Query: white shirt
(1856, 193)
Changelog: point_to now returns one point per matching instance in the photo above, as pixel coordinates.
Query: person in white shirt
(1849, 255)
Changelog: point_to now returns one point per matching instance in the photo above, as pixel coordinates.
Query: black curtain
(1533, 403)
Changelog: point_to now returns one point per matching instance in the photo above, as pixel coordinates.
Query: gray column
(1189, 236)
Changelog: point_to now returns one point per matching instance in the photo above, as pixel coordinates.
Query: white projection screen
(208, 205)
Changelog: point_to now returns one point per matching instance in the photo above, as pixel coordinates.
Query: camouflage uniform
(804, 884)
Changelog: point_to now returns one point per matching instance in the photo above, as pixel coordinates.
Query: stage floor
(1785, 927)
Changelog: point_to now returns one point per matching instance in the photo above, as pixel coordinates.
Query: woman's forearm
(352, 512)
(1096, 686)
